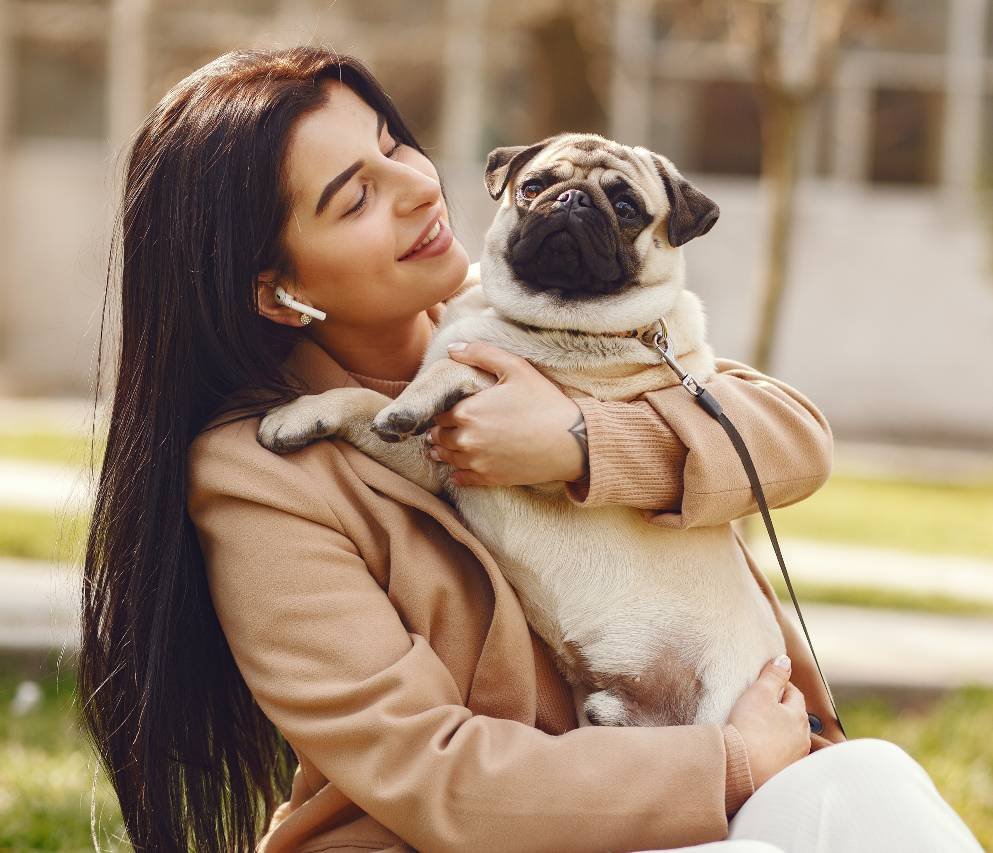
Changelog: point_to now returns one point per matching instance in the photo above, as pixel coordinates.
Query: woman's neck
(393, 352)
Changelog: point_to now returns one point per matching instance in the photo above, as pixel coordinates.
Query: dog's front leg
(433, 391)
(347, 413)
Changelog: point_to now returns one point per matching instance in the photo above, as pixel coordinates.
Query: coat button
(816, 726)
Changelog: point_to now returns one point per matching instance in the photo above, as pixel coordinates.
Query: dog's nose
(574, 198)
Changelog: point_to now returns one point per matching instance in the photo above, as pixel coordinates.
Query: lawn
(930, 518)
(868, 596)
(38, 535)
(50, 447)
(46, 772)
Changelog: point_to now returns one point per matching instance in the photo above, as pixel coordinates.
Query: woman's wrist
(580, 471)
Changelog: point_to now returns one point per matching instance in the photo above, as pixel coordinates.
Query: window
(391, 12)
(727, 129)
(58, 89)
(904, 26)
(986, 149)
(906, 136)
(417, 91)
(251, 7)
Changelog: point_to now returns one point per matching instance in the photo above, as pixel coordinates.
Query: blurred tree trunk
(783, 118)
(795, 48)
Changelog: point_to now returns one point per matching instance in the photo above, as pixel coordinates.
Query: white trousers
(859, 796)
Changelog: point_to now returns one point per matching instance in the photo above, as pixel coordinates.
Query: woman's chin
(459, 267)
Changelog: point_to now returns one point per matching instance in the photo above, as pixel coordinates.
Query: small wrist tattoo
(578, 430)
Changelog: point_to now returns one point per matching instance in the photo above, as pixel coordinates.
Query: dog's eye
(530, 190)
(624, 207)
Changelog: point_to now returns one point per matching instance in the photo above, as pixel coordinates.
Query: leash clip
(661, 342)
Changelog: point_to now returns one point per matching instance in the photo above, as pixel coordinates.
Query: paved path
(39, 486)
(881, 568)
(39, 605)
(857, 647)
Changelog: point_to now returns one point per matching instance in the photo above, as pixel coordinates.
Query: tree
(795, 44)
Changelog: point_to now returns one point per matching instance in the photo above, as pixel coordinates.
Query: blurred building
(888, 324)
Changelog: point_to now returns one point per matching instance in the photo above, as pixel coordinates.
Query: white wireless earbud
(283, 298)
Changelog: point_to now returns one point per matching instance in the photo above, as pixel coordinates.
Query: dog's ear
(504, 163)
(691, 213)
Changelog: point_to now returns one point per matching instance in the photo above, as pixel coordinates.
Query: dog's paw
(399, 424)
(294, 425)
(400, 421)
(605, 708)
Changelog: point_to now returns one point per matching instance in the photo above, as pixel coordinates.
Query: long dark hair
(194, 762)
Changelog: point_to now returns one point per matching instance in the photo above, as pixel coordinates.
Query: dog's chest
(571, 564)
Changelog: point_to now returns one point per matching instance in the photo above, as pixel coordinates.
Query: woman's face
(358, 204)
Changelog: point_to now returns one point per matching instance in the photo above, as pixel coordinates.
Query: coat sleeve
(331, 664)
(664, 455)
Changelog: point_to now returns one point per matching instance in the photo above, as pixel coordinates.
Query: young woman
(312, 649)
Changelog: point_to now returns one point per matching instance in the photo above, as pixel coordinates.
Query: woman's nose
(416, 190)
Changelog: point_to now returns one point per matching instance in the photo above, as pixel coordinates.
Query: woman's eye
(625, 209)
(531, 190)
(361, 202)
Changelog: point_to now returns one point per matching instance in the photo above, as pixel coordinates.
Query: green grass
(867, 596)
(47, 777)
(929, 518)
(41, 535)
(47, 770)
(50, 447)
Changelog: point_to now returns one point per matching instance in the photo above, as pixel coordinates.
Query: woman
(234, 597)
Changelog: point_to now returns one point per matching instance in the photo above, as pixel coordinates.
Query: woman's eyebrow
(337, 183)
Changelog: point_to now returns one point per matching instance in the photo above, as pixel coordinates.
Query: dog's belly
(614, 596)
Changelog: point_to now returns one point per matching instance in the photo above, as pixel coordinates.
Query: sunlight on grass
(50, 447)
(930, 518)
(40, 535)
(47, 775)
(867, 596)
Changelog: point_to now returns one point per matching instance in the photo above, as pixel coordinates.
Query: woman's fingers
(794, 700)
(454, 458)
(442, 436)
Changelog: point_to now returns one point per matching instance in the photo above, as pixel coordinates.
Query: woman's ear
(266, 283)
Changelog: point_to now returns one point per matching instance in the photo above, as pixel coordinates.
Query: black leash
(710, 405)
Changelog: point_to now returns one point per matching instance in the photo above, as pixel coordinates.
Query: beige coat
(380, 637)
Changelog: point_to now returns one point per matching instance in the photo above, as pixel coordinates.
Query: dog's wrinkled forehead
(586, 157)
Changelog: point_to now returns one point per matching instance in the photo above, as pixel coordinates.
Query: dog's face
(588, 232)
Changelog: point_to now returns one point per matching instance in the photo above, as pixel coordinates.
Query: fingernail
(457, 345)
(433, 453)
(783, 662)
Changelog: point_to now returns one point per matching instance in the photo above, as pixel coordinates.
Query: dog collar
(645, 334)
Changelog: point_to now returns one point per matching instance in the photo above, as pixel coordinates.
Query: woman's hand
(522, 430)
(771, 718)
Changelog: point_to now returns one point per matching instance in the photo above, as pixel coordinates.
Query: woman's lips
(437, 246)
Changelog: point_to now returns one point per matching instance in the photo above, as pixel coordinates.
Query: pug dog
(581, 267)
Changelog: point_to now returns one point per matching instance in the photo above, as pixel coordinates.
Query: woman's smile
(437, 242)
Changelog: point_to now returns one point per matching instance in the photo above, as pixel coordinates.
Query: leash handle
(709, 404)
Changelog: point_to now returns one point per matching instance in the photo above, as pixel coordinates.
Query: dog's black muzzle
(568, 244)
